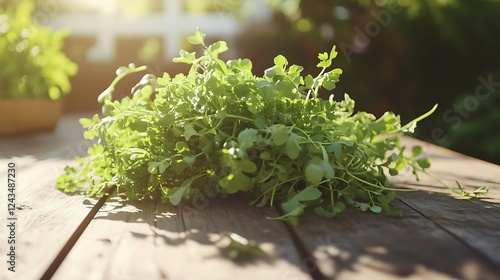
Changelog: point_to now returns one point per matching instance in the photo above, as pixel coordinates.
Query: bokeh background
(398, 55)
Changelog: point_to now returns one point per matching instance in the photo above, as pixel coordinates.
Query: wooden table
(59, 236)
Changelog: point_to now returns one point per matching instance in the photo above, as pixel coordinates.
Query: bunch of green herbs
(222, 126)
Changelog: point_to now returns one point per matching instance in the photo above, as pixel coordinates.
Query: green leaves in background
(33, 64)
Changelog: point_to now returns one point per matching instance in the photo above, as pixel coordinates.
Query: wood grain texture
(46, 217)
(440, 236)
(450, 167)
(476, 222)
(153, 241)
(358, 245)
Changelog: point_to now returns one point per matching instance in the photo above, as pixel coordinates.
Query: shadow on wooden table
(442, 240)
(169, 238)
(356, 244)
(206, 224)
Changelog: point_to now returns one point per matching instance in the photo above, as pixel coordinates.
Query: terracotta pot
(28, 115)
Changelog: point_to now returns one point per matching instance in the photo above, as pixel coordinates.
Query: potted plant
(34, 72)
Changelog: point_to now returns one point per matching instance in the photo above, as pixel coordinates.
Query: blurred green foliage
(397, 55)
(32, 63)
(474, 121)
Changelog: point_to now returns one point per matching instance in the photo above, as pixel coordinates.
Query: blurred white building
(171, 20)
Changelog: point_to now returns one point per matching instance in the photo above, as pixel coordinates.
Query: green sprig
(223, 127)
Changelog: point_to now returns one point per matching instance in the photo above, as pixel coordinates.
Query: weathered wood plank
(475, 222)
(357, 245)
(439, 236)
(152, 241)
(449, 167)
(46, 217)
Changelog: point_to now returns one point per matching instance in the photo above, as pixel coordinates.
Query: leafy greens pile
(220, 126)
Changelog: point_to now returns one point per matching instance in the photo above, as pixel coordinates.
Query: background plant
(33, 64)
(478, 133)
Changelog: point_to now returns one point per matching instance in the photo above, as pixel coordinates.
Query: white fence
(172, 23)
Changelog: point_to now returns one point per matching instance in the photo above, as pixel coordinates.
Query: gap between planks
(75, 236)
(493, 261)
(359, 245)
(46, 217)
(305, 253)
(165, 242)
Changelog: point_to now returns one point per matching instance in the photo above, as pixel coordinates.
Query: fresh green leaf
(416, 151)
(197, 38)
(305, 196)
(280, 61)
(330, 212)
(86, 123)
(279, 134)
(314, 173)
(189, 131)
(292, 148)
(333, 53)
(323, 56)
(375, 209)
(185, 57)
(218, 47)
(247, 138)
(424, 163)
(235, 182)
(182, 191)
(248, 166)
(481, 191)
